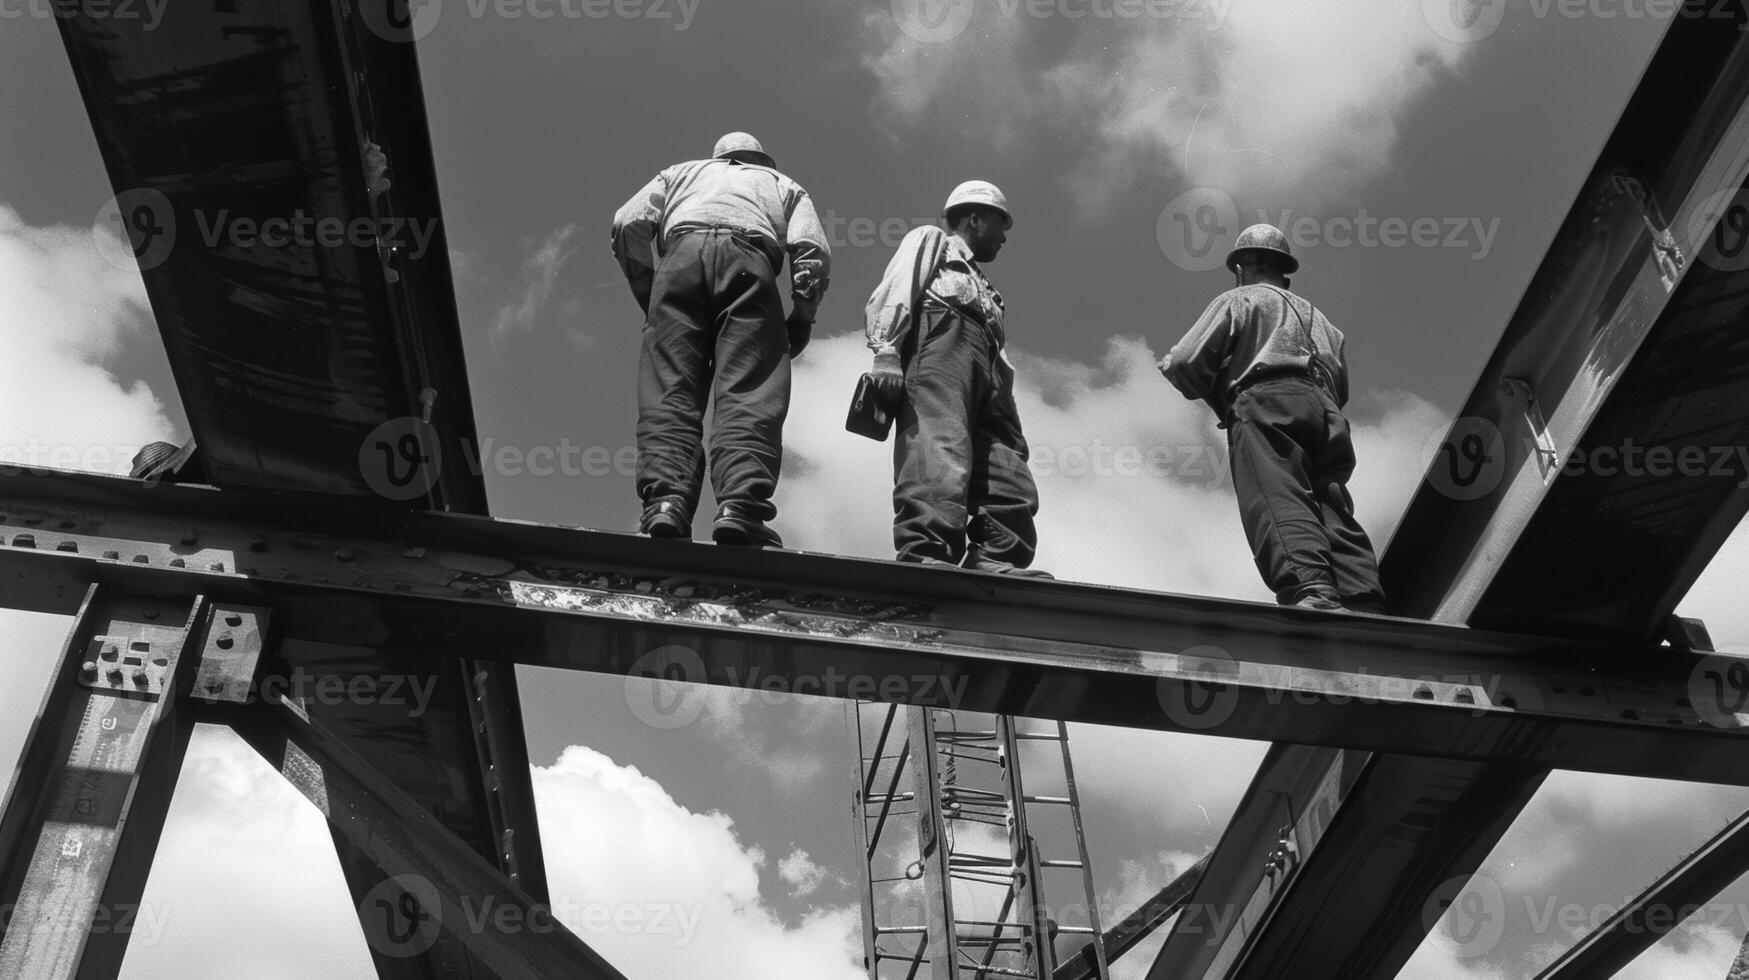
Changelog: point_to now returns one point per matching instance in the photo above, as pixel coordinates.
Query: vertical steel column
(87, 803)
(941, 941)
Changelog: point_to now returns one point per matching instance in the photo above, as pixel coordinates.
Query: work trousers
(959, 459)
(1292, 455)
(715, 315)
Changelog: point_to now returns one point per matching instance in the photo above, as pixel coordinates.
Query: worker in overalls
(1272, 368)
(702, 246)
(963, 493)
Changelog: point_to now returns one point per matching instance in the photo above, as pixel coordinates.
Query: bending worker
(702, 246)
(962, 491)
(1272, 368)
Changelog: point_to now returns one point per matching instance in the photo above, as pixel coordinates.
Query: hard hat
(745, 145)
(1264, 238)
(977, 192)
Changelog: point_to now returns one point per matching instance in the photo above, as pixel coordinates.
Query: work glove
(888, 377)
(801, 330)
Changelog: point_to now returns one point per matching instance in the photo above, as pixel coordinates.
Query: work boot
(667, 517)
(1319, 599)
(978, 561)
(737, 523)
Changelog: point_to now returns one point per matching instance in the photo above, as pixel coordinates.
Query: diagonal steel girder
(838, 627)
(1625, 338)
(274, 174)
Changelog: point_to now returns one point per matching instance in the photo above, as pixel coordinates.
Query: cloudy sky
(1133, 142)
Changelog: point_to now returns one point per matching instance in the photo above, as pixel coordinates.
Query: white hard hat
(745, 145)
(978, 192)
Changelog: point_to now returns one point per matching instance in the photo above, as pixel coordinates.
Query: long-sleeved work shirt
(1252, 333)
(930, 265)
(722, 194)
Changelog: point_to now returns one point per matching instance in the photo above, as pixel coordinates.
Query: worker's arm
(1342, 373)
(810, 254)
(635, 226)
(888, 313)
(1194, 365)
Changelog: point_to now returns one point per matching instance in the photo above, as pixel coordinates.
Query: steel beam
(878, 630)
(292, 349)
(1624, 337)
(433, 888)
(88, 799)
(1135, 927)
(1641, 923)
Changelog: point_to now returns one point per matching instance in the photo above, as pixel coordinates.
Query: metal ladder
(966, 785)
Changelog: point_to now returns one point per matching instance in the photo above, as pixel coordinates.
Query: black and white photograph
(874, 489)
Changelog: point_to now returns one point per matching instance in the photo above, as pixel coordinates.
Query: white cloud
(1219, 92)
(804, 877)
(614, 837)
(531, 305)
(65, 309)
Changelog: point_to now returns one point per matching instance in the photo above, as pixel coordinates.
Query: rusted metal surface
(881, 631)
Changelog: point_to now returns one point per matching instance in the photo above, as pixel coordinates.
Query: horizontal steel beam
(621, 604)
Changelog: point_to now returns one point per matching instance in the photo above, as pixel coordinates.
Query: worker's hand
(1166, 366)
(807, 309)
(888, 377)
(801, 330)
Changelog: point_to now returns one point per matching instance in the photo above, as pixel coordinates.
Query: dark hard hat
(1264, 238)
